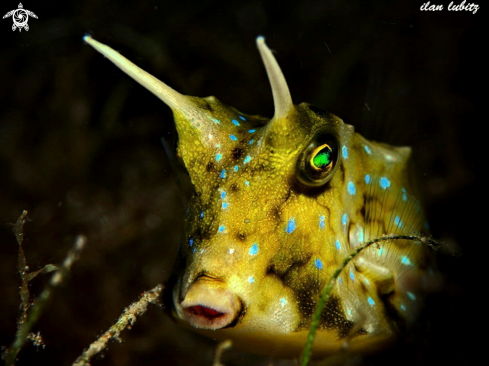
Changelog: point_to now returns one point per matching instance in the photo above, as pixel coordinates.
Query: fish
(278, 205)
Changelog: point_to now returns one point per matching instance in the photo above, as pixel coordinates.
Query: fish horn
(281, 94)
(172, 98)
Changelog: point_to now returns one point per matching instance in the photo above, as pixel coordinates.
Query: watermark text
(463, 6)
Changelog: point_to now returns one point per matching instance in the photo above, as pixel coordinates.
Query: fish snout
(210, 304)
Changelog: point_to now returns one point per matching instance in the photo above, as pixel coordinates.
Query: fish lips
(210, 304)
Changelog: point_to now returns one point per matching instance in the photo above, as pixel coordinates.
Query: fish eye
(318, 161)
(321, 158)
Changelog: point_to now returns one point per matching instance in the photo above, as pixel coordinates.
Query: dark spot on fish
(275, 213)
(362, 210)
(205, 105)
(201, 233)
(333, 317)
(285, 265)
(362, 331)
(237, 153)
(287, 195)
(211, 167)
(206, 233)
(369, 199)
(241, 236)
(341, 170)
(234, 188)
(306, 302)
(266, 167)
(269, 141)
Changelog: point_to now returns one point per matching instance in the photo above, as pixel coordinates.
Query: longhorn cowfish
(278, 205)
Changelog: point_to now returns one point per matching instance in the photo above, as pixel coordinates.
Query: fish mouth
(209, 304)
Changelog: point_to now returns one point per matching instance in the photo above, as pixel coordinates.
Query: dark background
(80, 149)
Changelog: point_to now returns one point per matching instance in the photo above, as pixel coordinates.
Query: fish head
(278, 205)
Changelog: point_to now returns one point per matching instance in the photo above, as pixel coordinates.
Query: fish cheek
(272, 307)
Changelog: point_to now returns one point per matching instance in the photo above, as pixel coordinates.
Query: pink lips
(208, 304)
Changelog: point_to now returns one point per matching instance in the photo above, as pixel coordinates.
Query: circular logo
(20, 17)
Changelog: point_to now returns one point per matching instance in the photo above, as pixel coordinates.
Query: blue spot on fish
(370, 301)
(223, 194)
(411, 295)
(254, 249)
(344, 219)
(398, 221)
(236, 168)
(283, 301)
(201, 214)
(384, 182)
(318, 263)
(247, 159)
(222, 228)
(321, 221)
(191, 242)
(352, 275)
(216, 120)
(367, 178)
(351, 188)
(405, 260)
(367, 149)
(251, 279)
(218, 157)
(337, 244)
(251, 131)
(360, 235)
(403, 308)
(236, 123)
(404, 194)
(232, 137)
(290, 226)
(223, 173)
(244, 119)
(247, 183)
(251, 141)
(224, 205)
(344, 152)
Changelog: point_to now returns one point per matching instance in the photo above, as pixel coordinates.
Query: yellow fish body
(278, 205)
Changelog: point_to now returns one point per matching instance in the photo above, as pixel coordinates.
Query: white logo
(20, 17)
